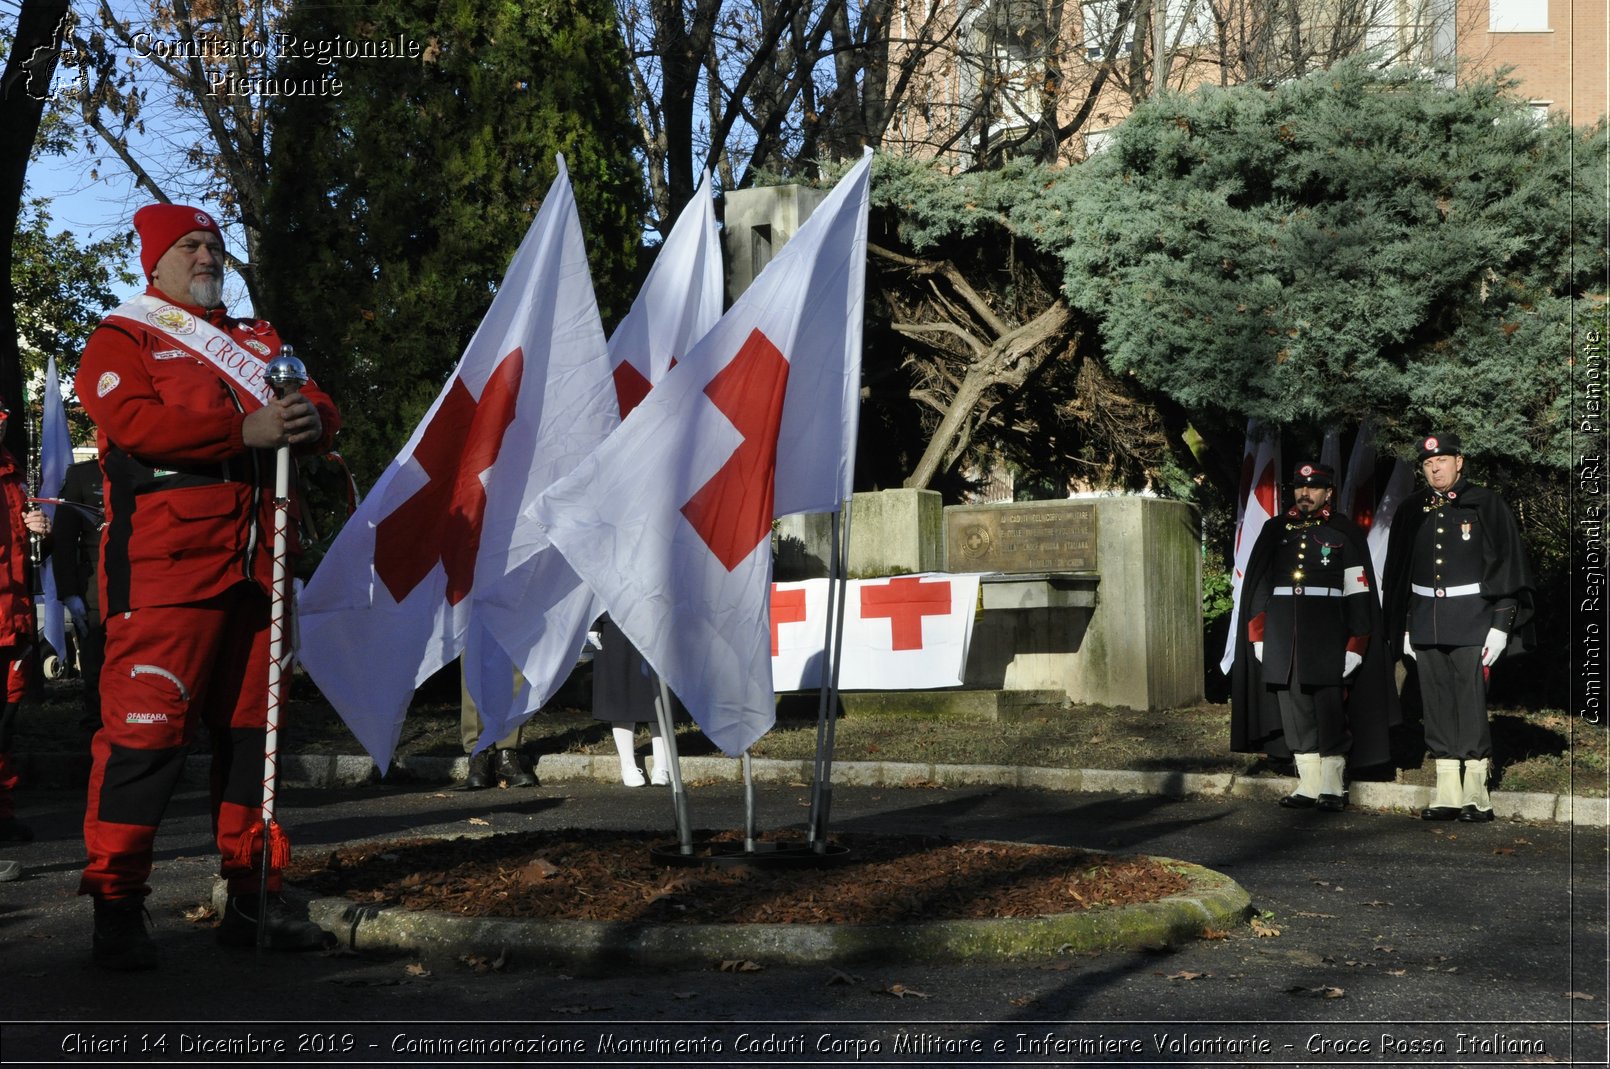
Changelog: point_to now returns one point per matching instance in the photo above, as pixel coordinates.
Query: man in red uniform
(186, 426)
(17, 627)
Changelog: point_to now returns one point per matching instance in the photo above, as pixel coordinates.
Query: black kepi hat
(1309, 473)
(1439, 445)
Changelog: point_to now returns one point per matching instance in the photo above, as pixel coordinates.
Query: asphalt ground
(1380, 940)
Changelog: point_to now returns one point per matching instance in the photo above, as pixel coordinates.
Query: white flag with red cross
(1257, 502)
(908, 632)
(1399, 486)
(407, 585)
(543, 613)
(670, 519)
(679, 302)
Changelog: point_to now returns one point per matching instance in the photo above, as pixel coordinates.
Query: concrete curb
(330, 771)
(1213, 901)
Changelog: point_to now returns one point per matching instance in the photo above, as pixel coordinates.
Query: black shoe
(1439, 812)
(121, 941)
(511, 772)
(1471, 815)
(1298, 801)
(480, 773)
(13, 830)
(1332, 803)
(282, 930)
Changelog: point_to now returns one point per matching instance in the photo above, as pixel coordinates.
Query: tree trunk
(24, 88)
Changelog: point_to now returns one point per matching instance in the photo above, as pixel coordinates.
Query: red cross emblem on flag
(732, 512)
(904, 602)
(442, 520)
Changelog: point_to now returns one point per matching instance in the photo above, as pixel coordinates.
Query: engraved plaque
(1024, 536)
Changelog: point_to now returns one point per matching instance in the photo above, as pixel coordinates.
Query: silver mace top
(286, 373)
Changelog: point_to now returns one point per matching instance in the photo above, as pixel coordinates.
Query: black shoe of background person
(1298, 801)
(1439, 812)
(511, 771)
(1332, 803)
(121, 941)
(479, 776)
(13, 830)
(282, 928)
(1471, 815)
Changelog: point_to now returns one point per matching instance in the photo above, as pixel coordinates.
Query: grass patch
(1545, 750)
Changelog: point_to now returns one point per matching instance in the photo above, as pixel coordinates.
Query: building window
(1100, 27)
(1517, 16)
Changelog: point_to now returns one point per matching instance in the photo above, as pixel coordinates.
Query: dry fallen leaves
(200, 914)
(415, 968)
(902, 991)
(1583, 995)
(1214, 933)
(481, 821)
(481, 963)
(1186, 975)
(1325, 991)
(1262, 929)
(733, 965)
(837, 976)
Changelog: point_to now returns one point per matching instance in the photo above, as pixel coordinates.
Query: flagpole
(679, 794)
(827, 710)
(749, 805)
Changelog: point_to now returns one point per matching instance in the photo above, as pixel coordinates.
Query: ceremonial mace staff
(286, 374)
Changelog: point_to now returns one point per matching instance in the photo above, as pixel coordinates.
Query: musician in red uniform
(186, 427)
(17, 629)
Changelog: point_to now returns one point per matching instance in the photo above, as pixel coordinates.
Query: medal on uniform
(1324, 554)
(1464, 530)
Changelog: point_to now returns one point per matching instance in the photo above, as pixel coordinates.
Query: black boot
(282, 930)
(121, 940)
(511, 772)
(480, 773)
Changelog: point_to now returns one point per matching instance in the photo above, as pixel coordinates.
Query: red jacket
(17, 625)
(189, 509)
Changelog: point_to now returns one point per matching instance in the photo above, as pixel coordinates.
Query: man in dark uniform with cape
(1312, 672)
(1459, 596)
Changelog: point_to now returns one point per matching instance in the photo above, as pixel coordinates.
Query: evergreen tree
(1344, 245)
(394, 205)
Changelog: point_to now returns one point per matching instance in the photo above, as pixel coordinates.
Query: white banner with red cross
(908, 632)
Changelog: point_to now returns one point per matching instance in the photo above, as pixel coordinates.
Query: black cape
(1369, 697)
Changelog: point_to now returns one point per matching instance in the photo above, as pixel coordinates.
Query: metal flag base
(766, 855)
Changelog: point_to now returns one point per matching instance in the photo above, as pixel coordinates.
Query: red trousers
(18, 663)
(169, 670)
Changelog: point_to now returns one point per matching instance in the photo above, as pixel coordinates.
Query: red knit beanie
(160, 225)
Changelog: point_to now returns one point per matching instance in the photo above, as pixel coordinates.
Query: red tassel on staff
(249, 851)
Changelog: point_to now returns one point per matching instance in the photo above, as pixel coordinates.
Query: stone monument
(1095, 598)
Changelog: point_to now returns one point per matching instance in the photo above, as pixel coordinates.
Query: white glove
(1496, 641)
(76, 609)
(1408, 647)
(1257, 651)
(1350, 663)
